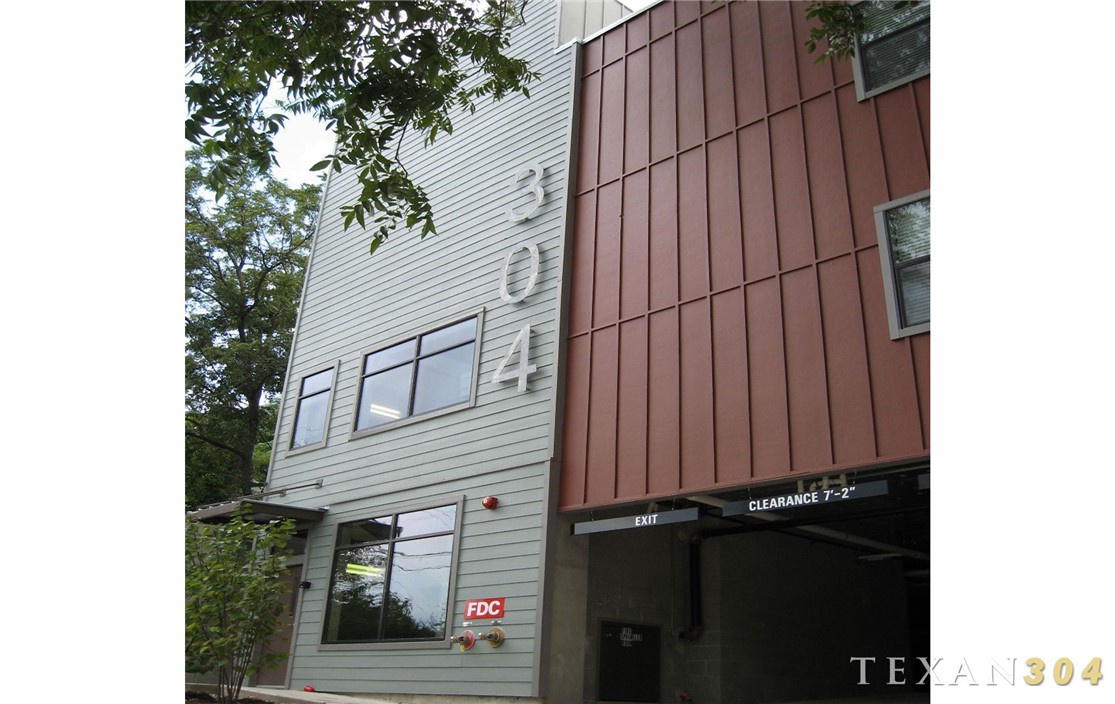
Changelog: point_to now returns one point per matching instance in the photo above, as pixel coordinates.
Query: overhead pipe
(849, 538)
(696, 617)
(780, 523)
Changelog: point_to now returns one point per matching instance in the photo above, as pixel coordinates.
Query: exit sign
(645, 520)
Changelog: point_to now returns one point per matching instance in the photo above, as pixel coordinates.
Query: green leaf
(233, 594)
(375, 72)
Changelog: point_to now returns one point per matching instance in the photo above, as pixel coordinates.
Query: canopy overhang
(261, 512)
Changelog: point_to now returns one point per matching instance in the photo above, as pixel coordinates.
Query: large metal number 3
(534, 188)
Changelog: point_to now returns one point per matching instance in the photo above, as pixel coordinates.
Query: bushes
(233, 596)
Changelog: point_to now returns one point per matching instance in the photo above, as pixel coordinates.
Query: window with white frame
(391, 577)
(903, 230)
(434, 371)
(893, 48)
(311, 413)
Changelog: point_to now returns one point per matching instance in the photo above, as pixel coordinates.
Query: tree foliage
(244, 262)
(839, 24)
(371, 70)
(214, 472)
(233, 596)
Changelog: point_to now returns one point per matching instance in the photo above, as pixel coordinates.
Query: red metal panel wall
(727, 321)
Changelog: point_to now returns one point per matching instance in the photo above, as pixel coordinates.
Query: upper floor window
(391, 577)
(893, 48)
(311, 414)
(903, 229)
(435, 371)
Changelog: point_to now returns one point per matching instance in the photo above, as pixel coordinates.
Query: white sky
(299, 145)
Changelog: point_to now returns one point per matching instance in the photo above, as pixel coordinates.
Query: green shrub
(233, 596)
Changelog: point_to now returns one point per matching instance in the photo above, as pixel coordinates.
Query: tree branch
(216, 443)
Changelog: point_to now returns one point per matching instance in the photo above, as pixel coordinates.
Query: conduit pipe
(848, 538)
(821, 531)
(696, 617)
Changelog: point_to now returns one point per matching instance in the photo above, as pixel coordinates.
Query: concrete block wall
(781, 614)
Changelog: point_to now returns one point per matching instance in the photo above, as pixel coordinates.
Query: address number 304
(532, 173)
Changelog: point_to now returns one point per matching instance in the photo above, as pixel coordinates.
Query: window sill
(305, 448)
(357, 434)
(862, 95)
(390, 645)
(898, 334)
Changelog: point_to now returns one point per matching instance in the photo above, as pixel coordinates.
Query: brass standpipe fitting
(494, 636)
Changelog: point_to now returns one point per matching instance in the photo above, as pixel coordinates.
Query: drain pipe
(696, 618)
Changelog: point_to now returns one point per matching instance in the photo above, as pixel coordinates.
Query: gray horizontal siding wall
(498, 556)
(354, 303)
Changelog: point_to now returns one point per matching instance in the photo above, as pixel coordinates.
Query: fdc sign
(484, 608)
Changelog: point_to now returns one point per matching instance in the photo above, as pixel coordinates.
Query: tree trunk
(250, 439)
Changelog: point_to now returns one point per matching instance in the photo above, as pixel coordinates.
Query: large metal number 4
(521, 343)
(534, 188)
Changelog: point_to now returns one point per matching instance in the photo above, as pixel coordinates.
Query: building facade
(649, 419)
(391, 405)
(745, 446)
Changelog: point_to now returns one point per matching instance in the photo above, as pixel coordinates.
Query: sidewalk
(292, 696)
(297, 696)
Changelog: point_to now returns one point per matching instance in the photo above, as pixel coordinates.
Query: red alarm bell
(489, 502)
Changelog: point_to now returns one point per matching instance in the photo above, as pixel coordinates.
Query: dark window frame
(891, 287)
(416, 357)
(450, 601)
(860, 74)
(332, 369)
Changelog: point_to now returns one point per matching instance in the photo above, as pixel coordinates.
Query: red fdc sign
(484, 608)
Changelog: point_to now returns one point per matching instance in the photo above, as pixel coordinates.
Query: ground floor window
(391, 577)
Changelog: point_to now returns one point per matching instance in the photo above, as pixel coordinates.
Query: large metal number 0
(534, 188)
(503, 292)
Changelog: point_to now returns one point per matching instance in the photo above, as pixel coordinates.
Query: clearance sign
(484, 608)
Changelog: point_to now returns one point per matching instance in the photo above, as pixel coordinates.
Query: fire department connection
(491, 608)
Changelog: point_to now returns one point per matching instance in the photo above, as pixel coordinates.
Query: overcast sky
(299, 145)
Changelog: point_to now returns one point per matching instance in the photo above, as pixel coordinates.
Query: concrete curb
(294, 696)
(291, 696)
